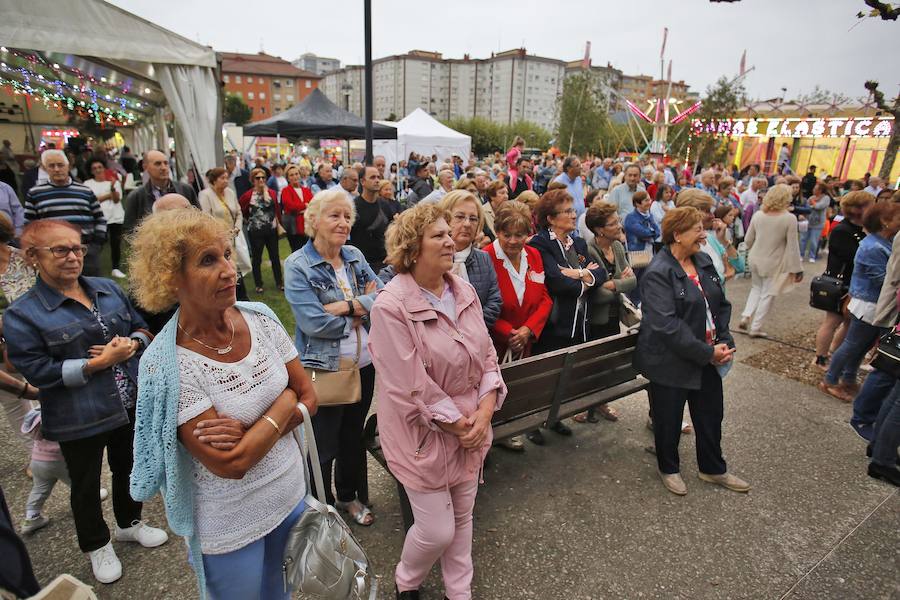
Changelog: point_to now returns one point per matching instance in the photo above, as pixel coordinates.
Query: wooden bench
(546, 388)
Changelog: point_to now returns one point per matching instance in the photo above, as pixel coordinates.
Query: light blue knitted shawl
(161, 463)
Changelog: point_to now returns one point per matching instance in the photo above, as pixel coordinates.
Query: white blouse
(517, 277)
(231, 513)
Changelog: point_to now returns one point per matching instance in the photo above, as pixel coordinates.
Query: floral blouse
(262, 212)
(19, 276)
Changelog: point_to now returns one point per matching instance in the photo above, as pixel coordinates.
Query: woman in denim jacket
(881, 222)
(331, 288)
(77, 339)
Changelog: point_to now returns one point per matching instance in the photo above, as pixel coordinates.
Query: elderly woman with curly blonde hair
(217, 399)
(439, 385)
(774, 256)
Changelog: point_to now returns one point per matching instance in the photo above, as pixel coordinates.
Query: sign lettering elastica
(862, 127)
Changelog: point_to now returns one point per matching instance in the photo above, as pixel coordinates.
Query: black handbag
(827, 293)
(887, 355)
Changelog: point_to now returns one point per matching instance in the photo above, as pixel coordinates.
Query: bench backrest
(563, 375)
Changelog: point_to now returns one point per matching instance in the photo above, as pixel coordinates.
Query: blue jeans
(810, 238)
(868, 402)
(848, 356)
(887, 431)
(254, 571)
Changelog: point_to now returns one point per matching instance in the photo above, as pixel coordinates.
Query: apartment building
(268, 84)
(316, 64)
(641, 89)
(506, 87)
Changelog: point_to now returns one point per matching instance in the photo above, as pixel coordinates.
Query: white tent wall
(420, 133)
(185, 70)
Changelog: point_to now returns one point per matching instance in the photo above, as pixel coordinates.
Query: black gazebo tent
(317, 116)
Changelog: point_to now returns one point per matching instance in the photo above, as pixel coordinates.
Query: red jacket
(293, 203)
(244, 201)
(536, 302)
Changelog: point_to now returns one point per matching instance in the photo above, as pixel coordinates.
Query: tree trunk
(890, 154)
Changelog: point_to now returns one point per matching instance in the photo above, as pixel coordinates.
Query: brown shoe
(674, 483)
(744, 324)
(608, 412)
(726, 480)
(835, 391)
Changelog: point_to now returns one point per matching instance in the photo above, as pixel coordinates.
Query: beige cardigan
(774, 246)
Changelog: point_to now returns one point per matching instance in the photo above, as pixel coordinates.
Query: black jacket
(565, 291)
(139, 201)
(843, 241)
(671, 348)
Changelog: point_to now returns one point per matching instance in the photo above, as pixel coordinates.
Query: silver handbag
(321, 557)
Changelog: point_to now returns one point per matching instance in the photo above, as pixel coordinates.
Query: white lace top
(231, 513)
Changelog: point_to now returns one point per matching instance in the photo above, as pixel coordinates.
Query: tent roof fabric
(96, 28)
(317, 116)
(420, 123)
(261, 64)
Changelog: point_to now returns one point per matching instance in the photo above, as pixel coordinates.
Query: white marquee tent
(113, 39)
(421, 133)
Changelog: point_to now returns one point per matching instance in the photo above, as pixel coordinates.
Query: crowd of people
(414, 282)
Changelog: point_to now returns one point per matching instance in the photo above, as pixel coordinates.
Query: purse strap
(310, 452)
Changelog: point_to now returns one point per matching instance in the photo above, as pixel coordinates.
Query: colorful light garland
(30, 74)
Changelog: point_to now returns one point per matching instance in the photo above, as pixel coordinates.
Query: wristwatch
(351, 308)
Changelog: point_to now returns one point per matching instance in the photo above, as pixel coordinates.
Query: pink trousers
(442, 529)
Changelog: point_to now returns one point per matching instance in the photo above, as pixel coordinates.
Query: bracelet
(274, 424)
(24, 389)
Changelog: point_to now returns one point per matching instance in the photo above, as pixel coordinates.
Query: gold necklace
(220, 351)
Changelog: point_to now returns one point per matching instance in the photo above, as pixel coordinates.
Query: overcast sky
(794, 44)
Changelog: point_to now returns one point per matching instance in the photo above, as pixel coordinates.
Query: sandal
(357, 511)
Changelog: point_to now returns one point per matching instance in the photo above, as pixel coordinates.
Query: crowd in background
(424, 276)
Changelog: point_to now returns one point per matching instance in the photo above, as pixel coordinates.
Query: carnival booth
(104, 64)
(846, 141)
(421, 133)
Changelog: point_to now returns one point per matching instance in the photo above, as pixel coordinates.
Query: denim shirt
(869, 267)
(640, 230)
(309, 284)
(48, 336)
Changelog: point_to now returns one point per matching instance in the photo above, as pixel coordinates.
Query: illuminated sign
(870, 127)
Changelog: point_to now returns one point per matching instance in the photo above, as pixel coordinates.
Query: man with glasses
(139, 202)
(62, 198)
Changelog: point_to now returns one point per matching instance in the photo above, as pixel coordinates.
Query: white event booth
(421, 133)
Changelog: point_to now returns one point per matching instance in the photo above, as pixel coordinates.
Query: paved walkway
(586, 517)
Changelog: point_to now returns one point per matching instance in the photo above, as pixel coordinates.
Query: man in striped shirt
(62, 198)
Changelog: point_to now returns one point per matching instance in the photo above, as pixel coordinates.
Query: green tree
(236, 110)
(391, 117)
(822, 96)
(890, 153)
(488, 137)
(581, 115)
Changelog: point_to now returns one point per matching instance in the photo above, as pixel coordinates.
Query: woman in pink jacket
(438, 387)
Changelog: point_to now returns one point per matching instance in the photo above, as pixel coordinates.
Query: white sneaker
(105, 564)
(812, 260)
(103, 494)
(33, 524)
(146, 536)
(118, 274)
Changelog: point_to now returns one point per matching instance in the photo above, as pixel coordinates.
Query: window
(276, 83)
(262, 79)
(276, 96)
(237, 78)
(308, 84)
(262, 110)
(226, 78)
(240, 95)
(262, 95)
(249, 95)
(249, 80)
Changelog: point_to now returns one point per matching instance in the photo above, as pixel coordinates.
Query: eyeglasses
(462, 218)
(63, 251)
(568, 211)
(260, 178)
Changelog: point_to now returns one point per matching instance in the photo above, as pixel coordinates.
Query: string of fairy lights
(68, 88)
